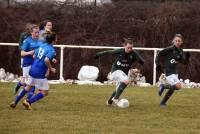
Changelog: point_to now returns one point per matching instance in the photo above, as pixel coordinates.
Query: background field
(73, 109)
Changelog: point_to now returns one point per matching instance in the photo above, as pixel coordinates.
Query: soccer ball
(123, 103)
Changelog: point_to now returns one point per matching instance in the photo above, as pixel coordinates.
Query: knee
(126, 82)
(45, 93)
(27, 88)
(178, 86)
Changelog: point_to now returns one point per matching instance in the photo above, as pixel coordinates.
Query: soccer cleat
(13, 105)
(115, 101)
(163, 105)
(161, 89)
(26, 105)
(109, 103)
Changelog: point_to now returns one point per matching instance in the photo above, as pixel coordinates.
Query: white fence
(61, 78)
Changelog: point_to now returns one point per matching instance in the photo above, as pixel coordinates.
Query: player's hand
(47, 73)
(54, 60)
(96, 56)
(187, 55)
(31, 52)
(158, 68)
(53, 70)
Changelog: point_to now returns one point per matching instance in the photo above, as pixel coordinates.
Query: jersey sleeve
(51, 54)
(138, 58)
(184, 60)
(162, 53)
(25, 45)
(22, 37)
(109, 52)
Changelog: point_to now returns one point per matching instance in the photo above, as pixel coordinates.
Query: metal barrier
(61, 78)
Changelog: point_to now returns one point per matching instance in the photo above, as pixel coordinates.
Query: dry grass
(73, 109)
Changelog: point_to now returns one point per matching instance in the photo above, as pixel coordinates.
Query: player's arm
(50, 55)
(24, 53)
(24, 47)
(48, 64)
(139, 58)
(185, 58)
(108, 52)
(162, 53)
(22, 37)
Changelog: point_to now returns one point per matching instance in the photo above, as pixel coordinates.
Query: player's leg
(122, 79)
(41, 94)
(121, 88)
(22, 93)
(174, 85)
(162, 87)
(20, 83)
(30, 93)
(25, 74)
(109, 102)
(42, 85)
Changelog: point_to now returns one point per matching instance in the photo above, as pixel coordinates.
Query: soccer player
(27, 50)
(171, 57)
(38, 72)
(122, 63)
(25, 33)
(45, 28)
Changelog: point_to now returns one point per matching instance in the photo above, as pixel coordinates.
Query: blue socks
(17, 87)
(20, 95)
(35, 98)
(30, 93)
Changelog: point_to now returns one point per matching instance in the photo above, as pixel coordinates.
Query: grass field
(73, 109)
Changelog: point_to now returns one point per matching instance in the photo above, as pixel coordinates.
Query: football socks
(35, 98)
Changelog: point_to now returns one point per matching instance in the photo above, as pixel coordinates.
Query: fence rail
(62, 47)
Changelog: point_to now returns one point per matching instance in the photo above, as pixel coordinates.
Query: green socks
(120, 89)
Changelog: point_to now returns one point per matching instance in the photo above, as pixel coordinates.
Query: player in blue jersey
(27, 50)
(25, 33)
(38, 72)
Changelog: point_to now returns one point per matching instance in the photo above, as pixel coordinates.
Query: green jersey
(171, 57)
(122, 61)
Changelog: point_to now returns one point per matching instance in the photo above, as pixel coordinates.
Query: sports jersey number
(40, 53)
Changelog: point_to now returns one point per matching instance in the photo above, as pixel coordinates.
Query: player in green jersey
(121, 65)
(171, 57)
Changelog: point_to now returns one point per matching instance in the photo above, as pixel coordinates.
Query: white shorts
(173, 79)
(25, 71)
(119, 76)
(41, 84)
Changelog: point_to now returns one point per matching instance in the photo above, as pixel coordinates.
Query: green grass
(73, 109)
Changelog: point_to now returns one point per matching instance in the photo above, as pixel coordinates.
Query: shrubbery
(151, 24)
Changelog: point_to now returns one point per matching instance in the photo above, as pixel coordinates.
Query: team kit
(38, 56)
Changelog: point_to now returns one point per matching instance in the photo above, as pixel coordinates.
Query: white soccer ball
(123, 103)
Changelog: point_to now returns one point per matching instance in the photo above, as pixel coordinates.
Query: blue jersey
(39, 68)
(28, 45)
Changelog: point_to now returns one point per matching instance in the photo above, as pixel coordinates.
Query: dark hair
(128, 41)
(50, 37)
(43, 24)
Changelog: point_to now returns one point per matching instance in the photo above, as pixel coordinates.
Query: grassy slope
(81, 109)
